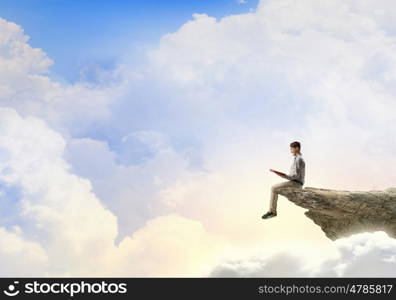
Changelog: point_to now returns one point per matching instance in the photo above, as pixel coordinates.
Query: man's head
(295, 148)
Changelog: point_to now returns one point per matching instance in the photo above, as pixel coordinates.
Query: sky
(136, 137)
(71, 30)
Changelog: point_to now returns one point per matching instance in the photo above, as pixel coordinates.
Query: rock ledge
(341, 213)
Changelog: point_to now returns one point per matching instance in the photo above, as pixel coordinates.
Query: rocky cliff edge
(341, 213)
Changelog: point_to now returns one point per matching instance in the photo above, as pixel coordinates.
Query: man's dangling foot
(269, 214)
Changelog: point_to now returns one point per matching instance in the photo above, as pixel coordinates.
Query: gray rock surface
(341, 213)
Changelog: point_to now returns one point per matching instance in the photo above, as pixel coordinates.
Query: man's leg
(276, 188)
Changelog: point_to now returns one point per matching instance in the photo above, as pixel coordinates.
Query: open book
(278, 173)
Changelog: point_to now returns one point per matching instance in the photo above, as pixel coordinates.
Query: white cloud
(129, 190)
(168, 246)
(316, 72)
(21, 257)
(360, 255)
(61, 226)
(56, 209)
(25, 85)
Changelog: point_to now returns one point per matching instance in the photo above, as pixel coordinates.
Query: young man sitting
(295, 179)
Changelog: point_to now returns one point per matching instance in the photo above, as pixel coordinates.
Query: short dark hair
(295, 145)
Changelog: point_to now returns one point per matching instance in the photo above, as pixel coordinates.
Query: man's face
(293, 150)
